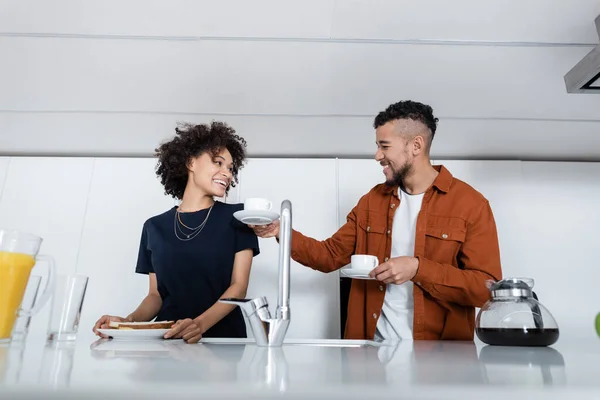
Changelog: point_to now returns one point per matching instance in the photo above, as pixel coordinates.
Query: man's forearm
(448, 283)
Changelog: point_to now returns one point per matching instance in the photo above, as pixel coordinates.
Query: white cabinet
(311, 187)
(501, 182)
(124, 193)
(356, 178)
(561, 248)
(47, 197)
(4, 164)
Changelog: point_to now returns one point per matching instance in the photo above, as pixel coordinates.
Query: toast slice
(141, 325)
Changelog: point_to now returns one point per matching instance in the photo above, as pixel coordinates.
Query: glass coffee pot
(513, 316)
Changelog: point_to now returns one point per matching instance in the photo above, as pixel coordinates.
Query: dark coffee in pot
(517, 337)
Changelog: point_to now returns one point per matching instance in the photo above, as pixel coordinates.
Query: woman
(197, 252)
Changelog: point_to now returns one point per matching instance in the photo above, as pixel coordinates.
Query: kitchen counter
(116, 369)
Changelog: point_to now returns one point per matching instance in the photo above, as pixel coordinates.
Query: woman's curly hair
(191, 141)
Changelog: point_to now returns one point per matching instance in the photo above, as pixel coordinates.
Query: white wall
(90, 213)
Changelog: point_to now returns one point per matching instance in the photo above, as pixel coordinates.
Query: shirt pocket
(442, 243)
(371, 235)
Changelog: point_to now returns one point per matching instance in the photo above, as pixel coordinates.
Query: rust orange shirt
(456, 242)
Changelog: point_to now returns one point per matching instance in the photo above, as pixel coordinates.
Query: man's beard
(399, 175)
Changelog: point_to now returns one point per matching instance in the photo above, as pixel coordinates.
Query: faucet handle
(248, 306)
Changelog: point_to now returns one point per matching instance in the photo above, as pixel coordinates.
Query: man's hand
(185, 329)
(396, 270)
(267, 231)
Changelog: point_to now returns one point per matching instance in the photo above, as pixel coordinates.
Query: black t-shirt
(192, 275)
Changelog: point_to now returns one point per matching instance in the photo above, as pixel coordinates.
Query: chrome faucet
(269, 331)
(268, 369)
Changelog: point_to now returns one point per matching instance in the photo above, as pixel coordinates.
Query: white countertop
(420, 370)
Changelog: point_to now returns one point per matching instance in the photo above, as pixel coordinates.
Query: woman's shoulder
(160, 219)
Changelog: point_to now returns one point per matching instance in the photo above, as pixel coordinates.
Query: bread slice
(141, 325)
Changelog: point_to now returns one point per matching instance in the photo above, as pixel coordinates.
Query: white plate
(108, 348)
(135, 334)
(349, 273)
(256, 217)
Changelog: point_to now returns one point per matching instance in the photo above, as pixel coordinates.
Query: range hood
(585, 76)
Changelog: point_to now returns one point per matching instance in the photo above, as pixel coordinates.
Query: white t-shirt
(396, 319)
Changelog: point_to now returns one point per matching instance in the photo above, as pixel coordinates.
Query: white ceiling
(555, 21)
(296, 78)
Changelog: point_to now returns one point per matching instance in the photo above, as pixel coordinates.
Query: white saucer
(135, 334)
(350, 273)
(256, 217)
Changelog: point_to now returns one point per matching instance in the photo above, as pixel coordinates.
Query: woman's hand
(185, 329)
(104, 321)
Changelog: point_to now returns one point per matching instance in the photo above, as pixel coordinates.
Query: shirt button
(374, 316)
(388, 232)
(445, 236)
(386, 258)
(381, 288)
(393, 205)
(368, 228)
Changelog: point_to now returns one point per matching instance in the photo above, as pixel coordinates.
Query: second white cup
(257, 203)
(363, 262)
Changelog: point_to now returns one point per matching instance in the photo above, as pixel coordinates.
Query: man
(434, 235)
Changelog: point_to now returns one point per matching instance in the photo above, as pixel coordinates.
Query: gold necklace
(196, 231)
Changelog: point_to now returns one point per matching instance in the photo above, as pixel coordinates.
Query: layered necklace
(190, 232)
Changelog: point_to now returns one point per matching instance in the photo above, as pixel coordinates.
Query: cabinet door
(47, 197)
(4, 164)
(124, 193)
(311, 187)
(561, 247)
(356, 178)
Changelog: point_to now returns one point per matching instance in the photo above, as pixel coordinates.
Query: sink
(300, 342)
(333, 342)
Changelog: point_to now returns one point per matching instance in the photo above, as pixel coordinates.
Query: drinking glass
(67, 303)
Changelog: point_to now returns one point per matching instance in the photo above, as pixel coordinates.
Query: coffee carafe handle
(537, 313)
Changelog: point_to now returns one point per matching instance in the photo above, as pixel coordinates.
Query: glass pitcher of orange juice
(18, 256)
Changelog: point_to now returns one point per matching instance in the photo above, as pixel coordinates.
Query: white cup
(363, 262)
(257, 203)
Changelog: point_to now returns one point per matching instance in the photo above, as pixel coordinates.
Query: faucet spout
(285, 249)
(269, 331)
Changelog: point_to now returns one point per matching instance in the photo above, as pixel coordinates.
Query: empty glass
(21, 327)
(57, 364)
(66, 307)
(11, 362)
